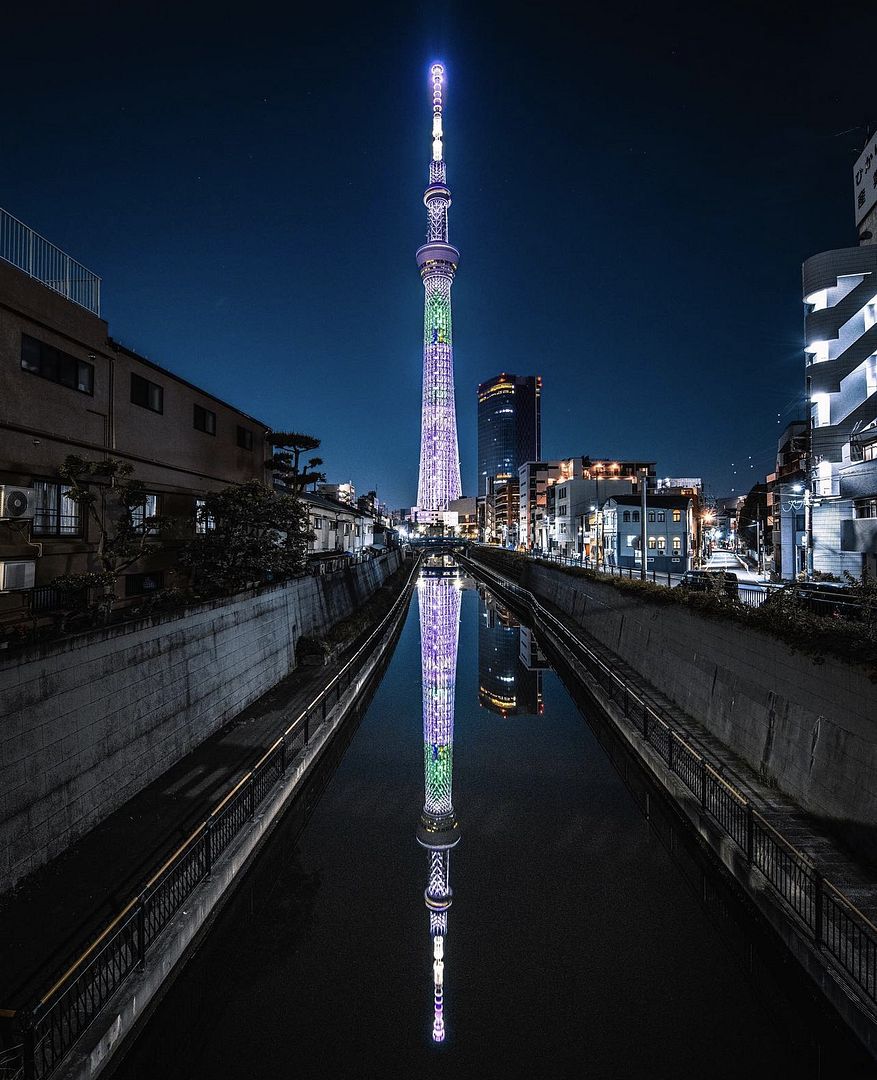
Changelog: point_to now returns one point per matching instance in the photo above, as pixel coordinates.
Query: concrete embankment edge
(807, 725)
(90, 720)
(856, 1011)
(91, 1055)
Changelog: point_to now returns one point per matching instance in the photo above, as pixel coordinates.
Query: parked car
(709, 581)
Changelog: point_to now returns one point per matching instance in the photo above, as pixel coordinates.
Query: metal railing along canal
(68, 1007)
(834, 922)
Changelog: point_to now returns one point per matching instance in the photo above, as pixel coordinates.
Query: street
(727, 560)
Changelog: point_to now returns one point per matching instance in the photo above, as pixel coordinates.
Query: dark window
(636, 515)
(245, 438)
(138, 584)
(56, 366)
(800, 525)
(56, 514)
(625, 516)
(205, 420)
(661, 515)
(651, 515)
(146, 394)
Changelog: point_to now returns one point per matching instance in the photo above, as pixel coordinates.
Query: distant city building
(539, 525)
(345, 493)
(670, 532)
(68, 388)
(840, 291)
(534, 479)
(679, 485)
(466, 510)
(785, 502)
(573, 508)
(509, 433)
(509, 426)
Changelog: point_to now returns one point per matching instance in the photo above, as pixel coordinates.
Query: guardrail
(51, 1028)
(836, 925)
(750, 594)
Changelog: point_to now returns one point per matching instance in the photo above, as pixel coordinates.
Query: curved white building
(840, 291)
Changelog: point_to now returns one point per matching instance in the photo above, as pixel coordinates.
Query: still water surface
(582, 940)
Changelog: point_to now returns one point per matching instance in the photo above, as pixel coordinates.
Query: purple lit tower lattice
(437, 261)
(438, 830)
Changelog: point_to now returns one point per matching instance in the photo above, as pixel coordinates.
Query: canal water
(488, 886)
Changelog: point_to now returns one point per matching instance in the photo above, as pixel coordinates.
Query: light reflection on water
(578, 944)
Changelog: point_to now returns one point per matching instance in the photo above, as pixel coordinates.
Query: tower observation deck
(437, 261)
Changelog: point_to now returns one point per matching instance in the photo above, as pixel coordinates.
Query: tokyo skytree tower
(438, 830)
(437, 261)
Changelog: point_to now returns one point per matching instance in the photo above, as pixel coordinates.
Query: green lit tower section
(437, 261)
(438, 830)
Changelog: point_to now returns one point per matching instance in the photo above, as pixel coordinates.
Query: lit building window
(204, 520)
(56, 513)
(141, 515)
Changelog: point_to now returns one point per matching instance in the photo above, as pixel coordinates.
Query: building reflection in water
(438, 592)
(510, 664)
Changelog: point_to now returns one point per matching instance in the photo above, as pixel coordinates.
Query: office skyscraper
(509, 426)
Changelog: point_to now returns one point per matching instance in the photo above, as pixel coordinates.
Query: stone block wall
(87, 722)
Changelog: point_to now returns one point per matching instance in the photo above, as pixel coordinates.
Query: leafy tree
(108, 494)
(314, 477)
(249, 532)
(288, 448)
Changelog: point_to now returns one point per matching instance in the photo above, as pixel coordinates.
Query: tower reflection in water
(438, 592)
(510, 664)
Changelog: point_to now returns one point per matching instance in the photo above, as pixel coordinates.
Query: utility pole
(644, 529)
(808, 530)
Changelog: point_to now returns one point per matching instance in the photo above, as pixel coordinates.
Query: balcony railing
(32, 253)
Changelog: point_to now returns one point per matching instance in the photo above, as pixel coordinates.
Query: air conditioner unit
(17, 574)
(17, 503)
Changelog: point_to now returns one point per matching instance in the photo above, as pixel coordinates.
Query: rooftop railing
(46, 263)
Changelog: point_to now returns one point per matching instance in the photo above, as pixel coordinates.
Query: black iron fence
(832, 919)
(49, 1029)
(844, 605)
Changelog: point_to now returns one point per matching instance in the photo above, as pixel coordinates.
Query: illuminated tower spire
(437, 261)
(438, 831)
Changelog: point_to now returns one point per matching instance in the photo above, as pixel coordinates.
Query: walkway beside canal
(57, 911)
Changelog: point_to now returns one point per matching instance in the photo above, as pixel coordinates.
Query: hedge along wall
(87, 722)
(807, 725)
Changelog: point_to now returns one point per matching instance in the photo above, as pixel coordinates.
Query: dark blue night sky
(635, 187)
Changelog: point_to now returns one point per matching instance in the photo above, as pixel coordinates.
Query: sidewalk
(57, 911)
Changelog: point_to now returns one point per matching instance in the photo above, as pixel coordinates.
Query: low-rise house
(670, 532)
(337, 527)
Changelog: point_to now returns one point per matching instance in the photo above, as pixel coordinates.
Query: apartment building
(68, 388)
(840, 294)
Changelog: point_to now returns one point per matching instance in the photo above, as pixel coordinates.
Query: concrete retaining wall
(807, 726)
(87, 722)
